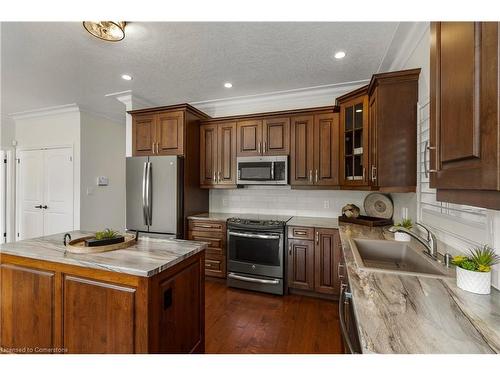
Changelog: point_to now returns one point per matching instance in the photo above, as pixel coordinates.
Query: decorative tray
(78, 246)
(366, 220)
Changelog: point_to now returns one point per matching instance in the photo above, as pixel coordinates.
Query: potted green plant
(400, 236)
(474, 270)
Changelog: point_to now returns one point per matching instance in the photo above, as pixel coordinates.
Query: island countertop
(414, 314)
(148, 257)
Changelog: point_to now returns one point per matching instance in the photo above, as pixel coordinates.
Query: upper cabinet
(269, 136)
(218, 155)
(392, 119)
(162, 131)
(314, 150)
(354, 137)
(464, 147)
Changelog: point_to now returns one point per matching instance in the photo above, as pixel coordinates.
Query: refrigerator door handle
(144, 193)
(150, 194)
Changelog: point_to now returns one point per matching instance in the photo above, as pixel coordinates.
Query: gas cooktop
(259, 220)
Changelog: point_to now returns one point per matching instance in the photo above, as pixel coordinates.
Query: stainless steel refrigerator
(154, 194)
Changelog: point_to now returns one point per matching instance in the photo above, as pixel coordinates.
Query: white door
(58, 191)
(30, 194)
(3, 195)
(45, 192)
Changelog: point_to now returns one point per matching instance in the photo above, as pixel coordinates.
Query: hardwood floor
(239, 321)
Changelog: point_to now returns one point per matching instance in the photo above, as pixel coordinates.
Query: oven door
(255, 253)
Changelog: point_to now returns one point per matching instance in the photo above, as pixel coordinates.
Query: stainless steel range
(256, 253)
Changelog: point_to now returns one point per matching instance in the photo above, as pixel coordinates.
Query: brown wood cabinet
(52, 307)
(314, 150)
(218, 155)
(392, 117)
(464, 148)
(354, 138)
(214, 233)
(313, 260)
(163, 130)
(268, 136)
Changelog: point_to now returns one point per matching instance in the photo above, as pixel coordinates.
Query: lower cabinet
(214, 233)
(313, 260)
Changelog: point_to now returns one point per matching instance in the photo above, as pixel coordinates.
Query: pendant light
(111, 31)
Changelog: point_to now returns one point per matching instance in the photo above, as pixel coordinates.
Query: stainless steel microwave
(262, 170)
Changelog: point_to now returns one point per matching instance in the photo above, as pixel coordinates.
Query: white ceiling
(49, 64)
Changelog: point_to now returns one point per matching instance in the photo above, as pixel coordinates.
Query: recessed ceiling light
(339, 55)
(228, 85)
(127, 77)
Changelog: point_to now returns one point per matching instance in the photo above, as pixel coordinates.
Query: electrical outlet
(224, 202)
(90, 190)
(326, 204)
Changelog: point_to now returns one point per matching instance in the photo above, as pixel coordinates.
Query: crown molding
(131, 100)
(316, 96)
(47, 111)
(406, 38)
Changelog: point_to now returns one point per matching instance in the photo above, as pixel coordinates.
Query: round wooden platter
(78, 246)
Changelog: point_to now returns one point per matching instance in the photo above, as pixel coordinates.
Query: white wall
(57, 129)
(102, 154)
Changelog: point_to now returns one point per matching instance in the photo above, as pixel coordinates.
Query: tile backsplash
(285, 201)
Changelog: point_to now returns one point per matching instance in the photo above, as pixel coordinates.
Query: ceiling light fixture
(111, 31)
(228, 85)
(127, 77)
(339, 55)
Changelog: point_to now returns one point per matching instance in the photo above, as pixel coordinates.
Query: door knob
(45, 207)
(39, 206)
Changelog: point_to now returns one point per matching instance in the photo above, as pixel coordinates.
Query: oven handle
(248, 235)
(252, 279)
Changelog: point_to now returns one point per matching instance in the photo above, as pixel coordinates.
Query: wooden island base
(49, 307)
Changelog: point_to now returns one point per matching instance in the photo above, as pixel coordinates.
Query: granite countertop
(148, 257)
(318, 222)
(415, 314)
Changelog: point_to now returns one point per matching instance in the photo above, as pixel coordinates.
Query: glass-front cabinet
(354, 138)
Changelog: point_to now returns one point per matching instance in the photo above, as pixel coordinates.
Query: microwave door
(255, 171)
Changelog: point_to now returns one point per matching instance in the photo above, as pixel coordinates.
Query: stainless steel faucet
(430, 243)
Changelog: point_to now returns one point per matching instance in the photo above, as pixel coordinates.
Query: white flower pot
(404, 237)
(475, 282)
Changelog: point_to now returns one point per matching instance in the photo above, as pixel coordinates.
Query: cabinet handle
(45, 207)
(317, 238)
(204, 226)
(153, 147)
(310, 175)
(218, 177)
(215, 178)
(364, 174)
(290, 249)
(264, 148)
(157, 147)
(426, 169)
(316, 176)
(300, 233)
(374, 173)
(258, 148)
(39, 206)
(341, 276)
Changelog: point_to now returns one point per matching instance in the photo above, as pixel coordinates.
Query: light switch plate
(102, 181)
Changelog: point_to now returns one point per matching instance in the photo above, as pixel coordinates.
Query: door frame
(16, 169)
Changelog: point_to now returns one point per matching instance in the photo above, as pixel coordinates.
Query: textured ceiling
(48, 64)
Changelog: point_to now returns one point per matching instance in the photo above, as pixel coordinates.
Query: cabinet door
(301, 264)
(208, 154)
(464, 147)
(226, 155)
(301, 151)
(354, 141)
(276, 136)
(326, 149)
(27, 307)
(170, 133)
(327, 258)
(143, 135)
(98, 316)
(249, 138)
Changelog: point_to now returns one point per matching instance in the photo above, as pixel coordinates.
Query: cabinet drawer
(212, 226)
(303, 233)
(213, 265)
(214, 240)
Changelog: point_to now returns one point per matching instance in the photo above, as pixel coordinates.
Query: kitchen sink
(395, 257)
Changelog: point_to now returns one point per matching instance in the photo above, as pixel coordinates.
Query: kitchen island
(148, 298)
